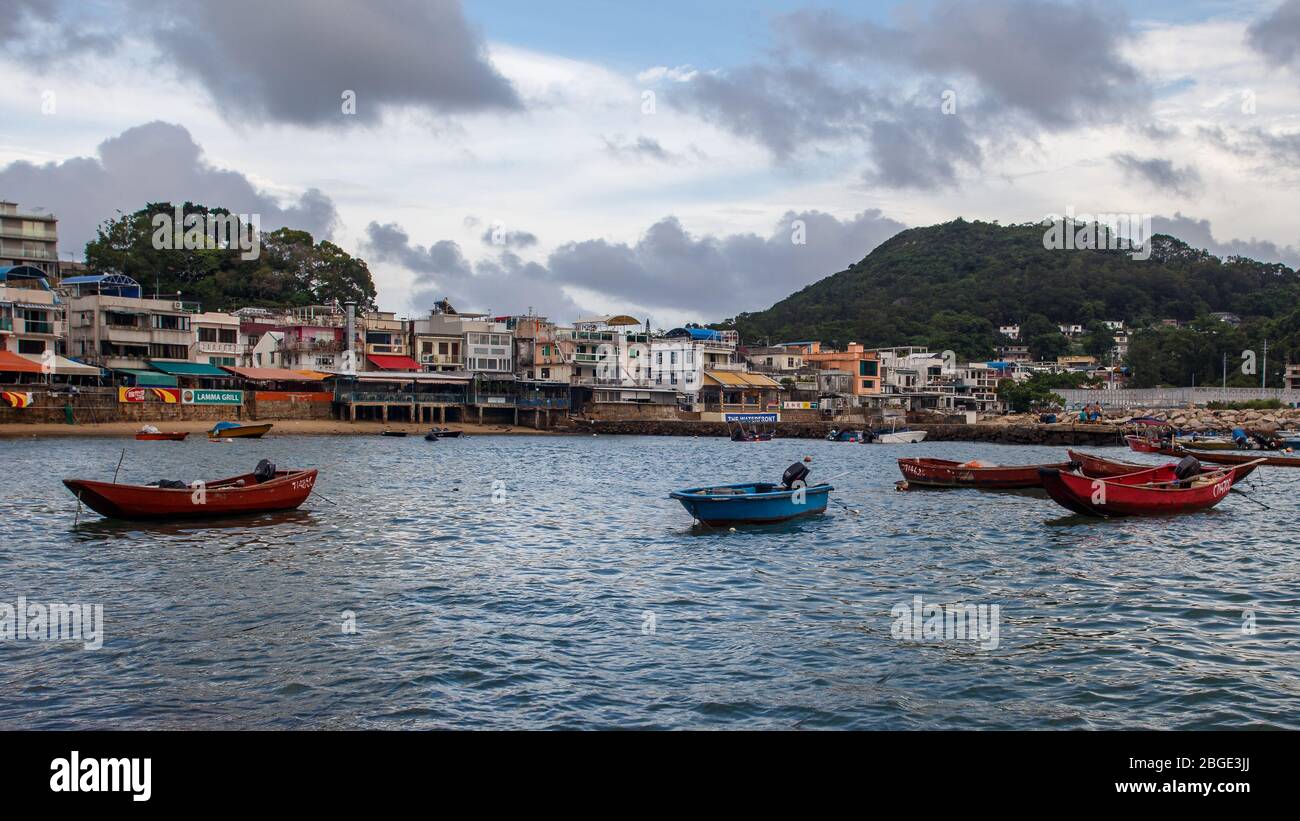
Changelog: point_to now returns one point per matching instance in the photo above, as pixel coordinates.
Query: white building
(216, 339)
(680, 358)
(1009, 331)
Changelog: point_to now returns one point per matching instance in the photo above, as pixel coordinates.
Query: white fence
(1173, 397)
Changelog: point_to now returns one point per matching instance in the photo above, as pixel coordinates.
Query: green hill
(950, 286)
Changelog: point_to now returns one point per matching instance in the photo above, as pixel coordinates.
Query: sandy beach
(302, 427)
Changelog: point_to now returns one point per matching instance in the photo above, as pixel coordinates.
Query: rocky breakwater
(1202, 420)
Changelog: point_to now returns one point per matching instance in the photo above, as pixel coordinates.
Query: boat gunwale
(694, 494)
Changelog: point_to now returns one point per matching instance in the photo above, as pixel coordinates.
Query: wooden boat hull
(1141, 444)
(945, 473)
(751, 503)
(174, 436)
(1099, 467)
(241, 432)
(1117, 497)
(1234, 457)
(288, 490)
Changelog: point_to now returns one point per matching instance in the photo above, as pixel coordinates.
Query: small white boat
(900, 437)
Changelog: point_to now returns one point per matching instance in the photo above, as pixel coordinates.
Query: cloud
(641, 149)
(668, 268)
(1277, 36)
(290, 61)
(1198, 234)
(496, 234)
(1058, 64)
(155, 162)
(1012, 68)
(1160, 173)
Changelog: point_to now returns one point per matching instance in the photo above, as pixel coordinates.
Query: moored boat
(926, 472)
(756, 502)
(234, 430)
(1159, 491)
(899, 437)
(161, 436)
(1227, 457)
(262, 491)
(1098, 467)
(1142, 444)
(443, 433)
(393, 433)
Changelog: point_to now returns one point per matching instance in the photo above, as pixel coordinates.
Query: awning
(740, 379)
(189, 369)
(149, 379)
(13, 363)
(393, 363)
(65, 367)
(274, 374)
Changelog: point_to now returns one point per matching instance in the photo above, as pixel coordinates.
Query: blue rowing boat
(756, 502)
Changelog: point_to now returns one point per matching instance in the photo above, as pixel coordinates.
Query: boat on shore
(945, 473)
(756, 502)
(1160, 491)
(900, 437)
(234, 430)
(393, 433)
(161, 436)
(263, 491)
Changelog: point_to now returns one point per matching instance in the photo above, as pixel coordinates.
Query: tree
(290, 269)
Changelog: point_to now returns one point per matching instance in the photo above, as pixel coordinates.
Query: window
(31, 346)
(168, 322)
(672, 358)
(868, 384)
(546, 373)
(867, 367)
(659, 357)
(221, 360)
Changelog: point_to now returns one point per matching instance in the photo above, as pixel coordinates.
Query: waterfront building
(865, 365)
(29, 238)
(1013, 353)
(540, 354)
(386, 341)
(1292, 382)
(447, 340)
(31, 313)
(680, 359)
(216, 339)
(111, 323)
(776, 360)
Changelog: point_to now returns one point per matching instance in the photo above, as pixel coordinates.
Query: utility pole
(1263, 376)
(1225, 372)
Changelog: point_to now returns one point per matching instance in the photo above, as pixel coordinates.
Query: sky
(682, 161)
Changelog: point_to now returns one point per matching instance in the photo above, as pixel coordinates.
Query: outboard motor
(1187, 468)
(793, 474)
(265, 471)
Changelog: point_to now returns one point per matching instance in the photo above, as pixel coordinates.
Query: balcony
(443, 360)
(397, 350)
(552, 403)
(293, 343)
(232, 348)
(378, 397)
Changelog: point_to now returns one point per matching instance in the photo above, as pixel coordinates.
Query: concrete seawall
(1030, 434)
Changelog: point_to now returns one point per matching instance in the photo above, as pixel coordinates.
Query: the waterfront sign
(212, 397)
(751, 417)
(168, 396)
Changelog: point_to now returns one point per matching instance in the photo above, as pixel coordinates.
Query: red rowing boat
(170, 436)
(1155, 492)
(1230, 458)
(926, 472)
(238, 495)
(1141, 444)
(1101, 468)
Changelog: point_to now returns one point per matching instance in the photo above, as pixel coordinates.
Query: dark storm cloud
(1199, 234)
(1277, 36)
(38, 31)
(1160, 173)
(1057, 63)
(154, 162)
(667, 268)
(290, 61)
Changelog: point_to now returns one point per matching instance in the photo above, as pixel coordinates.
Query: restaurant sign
(751, 417)
(142, 394)
(799, 405)
(212, 397)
